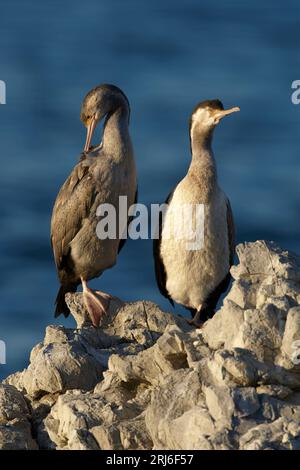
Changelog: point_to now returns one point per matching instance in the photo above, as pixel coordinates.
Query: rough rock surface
(147, 380)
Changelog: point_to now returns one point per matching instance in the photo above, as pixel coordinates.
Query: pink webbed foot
(96, 302)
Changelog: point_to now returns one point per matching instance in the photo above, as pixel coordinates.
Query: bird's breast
(197, 260)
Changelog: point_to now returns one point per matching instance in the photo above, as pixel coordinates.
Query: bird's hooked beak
(90, 131)
(224, 112)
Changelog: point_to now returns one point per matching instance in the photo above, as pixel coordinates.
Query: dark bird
(195, 276)
(103, 174)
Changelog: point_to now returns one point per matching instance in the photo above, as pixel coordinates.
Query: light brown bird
(195, 278)
(104, 173)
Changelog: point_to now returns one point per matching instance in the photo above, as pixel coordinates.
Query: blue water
(166, 55)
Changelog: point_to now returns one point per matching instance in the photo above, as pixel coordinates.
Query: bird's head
(100, 101)
(207, 115)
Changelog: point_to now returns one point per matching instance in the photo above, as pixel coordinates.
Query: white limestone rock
(15, 429)
(146, 379)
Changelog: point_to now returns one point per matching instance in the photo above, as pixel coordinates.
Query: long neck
(203, 166)
(116, 140)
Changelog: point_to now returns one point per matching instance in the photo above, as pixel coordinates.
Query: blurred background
(166, 55)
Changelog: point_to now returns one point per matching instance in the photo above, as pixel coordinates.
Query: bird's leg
(105, 295)
(96, 303)
(196, 319)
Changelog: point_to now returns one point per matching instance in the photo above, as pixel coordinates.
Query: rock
(128, 434)
(265, 260)
(254, 314)
(12, 404)
(71, 417)
(246, 401)
(177, 417)
(290, 349)
(75, 359)
(220, 405)
(279, 391)
(91, 422)
(170, 352)
(147, 380)
(15, 429)
(281, 434)
(142, 322)
(16, 435)
(59, 366)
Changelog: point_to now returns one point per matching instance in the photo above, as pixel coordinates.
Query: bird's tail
(60, 302)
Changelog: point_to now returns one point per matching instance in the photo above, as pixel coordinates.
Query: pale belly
(193, 274)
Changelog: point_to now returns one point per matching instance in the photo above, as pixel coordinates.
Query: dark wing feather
(124, 240)
(160, 273)
(71, 207)
(231, 233)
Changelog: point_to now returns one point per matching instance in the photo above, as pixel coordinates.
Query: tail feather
(210, 304)
(60, 302)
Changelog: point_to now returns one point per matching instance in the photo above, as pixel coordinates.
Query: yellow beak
(224, 112)
(90, 131)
